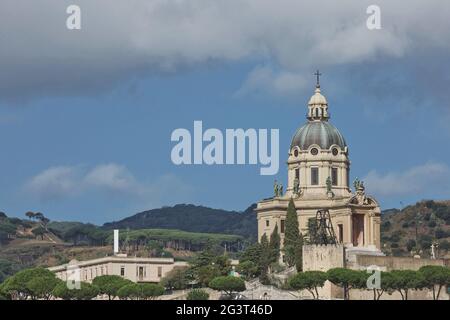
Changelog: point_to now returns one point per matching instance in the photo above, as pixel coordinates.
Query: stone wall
(412, 295)
(323, 257)
(395, 263)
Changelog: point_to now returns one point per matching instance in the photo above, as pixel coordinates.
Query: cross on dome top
(318, 74)
(318, 105)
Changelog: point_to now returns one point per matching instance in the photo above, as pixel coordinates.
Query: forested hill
(416, 227)
(188, 217)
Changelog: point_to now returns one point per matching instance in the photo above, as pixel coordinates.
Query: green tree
(4, 294)
(207, 265)
(265, 259)
(205, 258)
(130, 291)
(223, 263)
(85, 292)
(345, 278)
(308, 280)
(31, 283)
(274, 244)
(39, 215)
(436, 276)
(197, 294)
(34, 283)
(359, 281)
(42, 287)
(151, 290)
(39, 232)
(405, 280)
(62, 291)
(248, 269)
(7, 268)
(205, 274)
(227, 284)
(30, 215)
(386, 285)
(250, 258)
(176, 279)
(293, 241)
(251, 253)
(110, 284)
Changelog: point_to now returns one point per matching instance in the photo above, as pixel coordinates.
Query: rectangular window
(282, 226)
(297, 173)
(122, 271)
(159, 272)
(314, 176)
(341, 233)
(334, 176)
(267, 223)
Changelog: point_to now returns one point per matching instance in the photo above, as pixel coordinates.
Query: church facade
(319, 179)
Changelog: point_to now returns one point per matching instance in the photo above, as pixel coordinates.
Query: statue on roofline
(360, 191)
(330, 192)
(277, 189)
(328, 182)
(358, 184)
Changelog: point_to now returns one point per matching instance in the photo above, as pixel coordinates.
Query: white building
(318, 178)
(131, 268)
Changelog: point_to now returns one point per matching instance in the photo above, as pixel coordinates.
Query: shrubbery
(197, 294)
(434, 278)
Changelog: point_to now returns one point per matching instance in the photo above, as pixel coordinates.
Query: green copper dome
(321, 133)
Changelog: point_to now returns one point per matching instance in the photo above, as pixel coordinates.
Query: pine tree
(275, 244)
(265, 259)
(293, 241)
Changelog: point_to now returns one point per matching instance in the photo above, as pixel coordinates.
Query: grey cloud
(121, 40)
(113, 180)
(415, 181)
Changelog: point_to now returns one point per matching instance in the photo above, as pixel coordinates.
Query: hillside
(188, 217)
(415, 227)
(183, 229)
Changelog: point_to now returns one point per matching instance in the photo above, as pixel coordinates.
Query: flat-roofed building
(132, 268)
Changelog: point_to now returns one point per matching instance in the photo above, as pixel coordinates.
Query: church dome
(321, 133)
(318, 130)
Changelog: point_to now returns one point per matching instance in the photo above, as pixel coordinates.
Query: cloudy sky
(86, 115)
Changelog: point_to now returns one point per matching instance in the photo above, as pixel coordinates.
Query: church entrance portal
(358, 230)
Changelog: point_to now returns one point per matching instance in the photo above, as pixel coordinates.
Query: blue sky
(86, 119)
